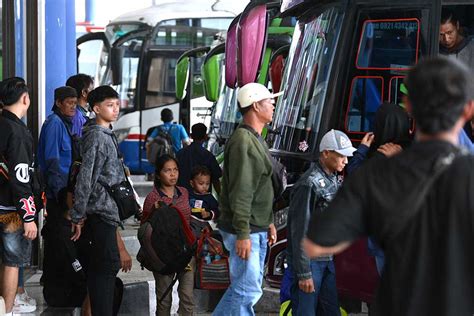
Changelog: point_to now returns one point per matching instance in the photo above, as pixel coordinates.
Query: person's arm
(360, 155)
(343, 221)
(18, 162)
(93, 160)
(301, 204)
(125, 259)
(183, 136)
(52, 152)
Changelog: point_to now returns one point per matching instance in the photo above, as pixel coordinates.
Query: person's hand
(205, 214)
(307, 285)
(272, 234)
(30, 230)
(389, 149)
(125, 260)
(243, 248)
(368, 139)
(76, 230)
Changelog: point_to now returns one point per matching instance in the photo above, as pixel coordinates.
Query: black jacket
(16, 149)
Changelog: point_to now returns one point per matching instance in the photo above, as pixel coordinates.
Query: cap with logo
(254, 92)
(337, 141)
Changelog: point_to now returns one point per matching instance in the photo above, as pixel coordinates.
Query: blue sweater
(54, 154)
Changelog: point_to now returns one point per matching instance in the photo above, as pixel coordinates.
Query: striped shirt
(180, 201)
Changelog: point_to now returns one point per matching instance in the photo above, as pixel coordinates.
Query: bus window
(128, 87)
(189, 32)
(161, 82)
(116, 30)
(364, 100)
(389, 44)
(298, 111)
(394, 90)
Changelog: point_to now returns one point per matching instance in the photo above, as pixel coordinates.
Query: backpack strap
(170, 287)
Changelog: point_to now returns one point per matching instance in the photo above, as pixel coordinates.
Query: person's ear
(95, 108)
(406, 102)
(255, 107)
(468, 111)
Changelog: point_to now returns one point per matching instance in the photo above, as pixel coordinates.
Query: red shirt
(181, 202)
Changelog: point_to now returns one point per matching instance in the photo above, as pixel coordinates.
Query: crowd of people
(409, 191)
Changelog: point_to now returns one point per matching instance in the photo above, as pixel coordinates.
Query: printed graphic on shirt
(196, 205)
(22, 172)
(28, 206)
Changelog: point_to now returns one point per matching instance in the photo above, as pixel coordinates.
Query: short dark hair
(438, 90)
(199, 131)
(449, 16)
(166, 115)
(244, 110)
(11, 89)
(80, 82)
(200, 171)
(101, 93)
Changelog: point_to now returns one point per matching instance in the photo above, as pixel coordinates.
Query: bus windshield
(116, 30)
(298, 111)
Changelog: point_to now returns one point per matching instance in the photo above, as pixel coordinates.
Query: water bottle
(217, 257)
(208, 258)
(205, 250)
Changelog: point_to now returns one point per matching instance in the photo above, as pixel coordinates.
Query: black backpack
(161, 145)
(167, 241)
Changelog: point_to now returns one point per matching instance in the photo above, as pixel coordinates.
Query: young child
(166, 190)
(203, 204)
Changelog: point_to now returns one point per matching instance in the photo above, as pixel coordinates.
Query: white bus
(138, 58)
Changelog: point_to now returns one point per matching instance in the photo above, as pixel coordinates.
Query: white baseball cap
(337, 141)
(254, 92)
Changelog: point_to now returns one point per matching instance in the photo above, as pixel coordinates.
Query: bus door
(386, 42)
(93, 55)
(157, 90)
(125, 75)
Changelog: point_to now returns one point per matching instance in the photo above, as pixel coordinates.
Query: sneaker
(21, 306)
(24, 297)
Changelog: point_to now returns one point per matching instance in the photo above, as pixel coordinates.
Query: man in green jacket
(246, 202)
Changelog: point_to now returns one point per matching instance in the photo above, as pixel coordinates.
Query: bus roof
(180, 9)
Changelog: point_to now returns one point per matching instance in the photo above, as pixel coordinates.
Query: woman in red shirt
(166, 190)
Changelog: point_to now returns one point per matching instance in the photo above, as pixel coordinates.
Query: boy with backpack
(94, 206)
(166, 139)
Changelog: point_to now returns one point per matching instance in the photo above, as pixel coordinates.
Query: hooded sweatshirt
(100, 163)
(463, 52)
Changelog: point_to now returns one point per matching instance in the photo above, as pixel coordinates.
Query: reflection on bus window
(130, 60)
(364, 100)
(298, 111)
(389, 44)
(114, 31)
(161, 82)
(189, 32)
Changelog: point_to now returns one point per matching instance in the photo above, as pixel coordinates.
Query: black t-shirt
(429, 262)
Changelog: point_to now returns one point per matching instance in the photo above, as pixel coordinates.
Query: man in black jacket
(418, 205)
(17, 206)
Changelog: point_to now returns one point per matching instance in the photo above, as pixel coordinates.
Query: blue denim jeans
(322, 302)
(246, 277)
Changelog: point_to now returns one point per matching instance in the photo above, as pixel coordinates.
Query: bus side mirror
(182, 75)
(251, 41)
(116, 58)
(211, 76)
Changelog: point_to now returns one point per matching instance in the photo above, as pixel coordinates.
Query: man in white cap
(314, 280)
(246, 202)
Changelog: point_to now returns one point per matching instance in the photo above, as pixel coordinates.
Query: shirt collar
(9, 115)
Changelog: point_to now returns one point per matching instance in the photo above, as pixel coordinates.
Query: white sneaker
(25, 298)
(23, 304)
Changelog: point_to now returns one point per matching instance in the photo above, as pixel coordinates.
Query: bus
(346, 58)
(138, 56)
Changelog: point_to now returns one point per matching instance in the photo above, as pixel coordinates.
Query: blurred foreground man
(418, 205)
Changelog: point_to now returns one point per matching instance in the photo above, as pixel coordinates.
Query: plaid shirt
(180, 201)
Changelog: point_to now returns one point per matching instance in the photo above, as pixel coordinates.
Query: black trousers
(104, 265)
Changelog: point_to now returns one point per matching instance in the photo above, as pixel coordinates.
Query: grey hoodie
(100, 162)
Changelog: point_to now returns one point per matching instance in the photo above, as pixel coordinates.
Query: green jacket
(247, 192)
